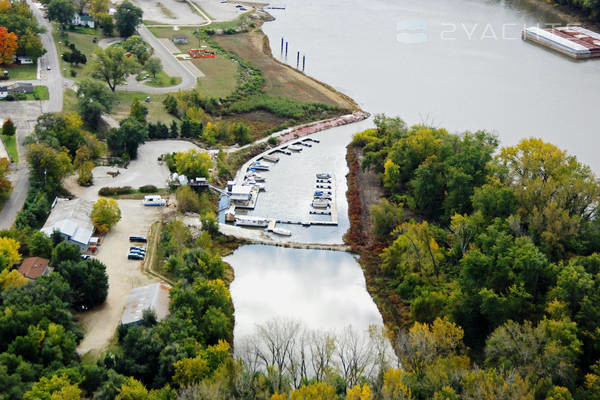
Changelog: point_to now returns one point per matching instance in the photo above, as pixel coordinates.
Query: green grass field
(156, 110)
(10, 142)
(221, 72)
(21, 72)
(84, 43)
(39, 93)
(163, 80)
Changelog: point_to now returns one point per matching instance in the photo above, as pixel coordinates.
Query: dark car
(141, 239)
(135, 256)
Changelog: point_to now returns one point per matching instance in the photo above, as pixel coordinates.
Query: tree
(8, 128)
(127, 138)
(128, 17)
(187, 200)
(193, 163)
(315, 391)
(54, 388)
(98, 8)
(136, 46)
(61, 11)
(105, 214)
(65, 251)
(153, 66)
(138, 111)
(84, 173)
(5, 185)
(48, 166)
(8, 45)
(9, 248)
(113, 66)
(93, 99)
(88, 281)
(170, 103)
(11, 279)
(549, 350)
(359, 393)
(40, 245)
(31, 45)
(107, 24)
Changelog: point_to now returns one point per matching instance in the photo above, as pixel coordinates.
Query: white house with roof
(82, 20)
(72, 219)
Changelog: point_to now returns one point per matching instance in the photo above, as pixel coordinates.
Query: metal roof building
(153, 297)
(72, 219)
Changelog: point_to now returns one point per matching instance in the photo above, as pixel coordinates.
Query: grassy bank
(10, 142)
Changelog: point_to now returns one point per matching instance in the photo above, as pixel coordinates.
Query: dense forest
(503, 242)
(590, 8)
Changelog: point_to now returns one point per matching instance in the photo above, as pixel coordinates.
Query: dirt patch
(281, 80)
(370, 191)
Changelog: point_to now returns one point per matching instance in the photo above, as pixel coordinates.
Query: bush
(272, 141)
(148, 189)
(115, 191)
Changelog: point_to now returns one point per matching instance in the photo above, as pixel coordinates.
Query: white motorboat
(255, 222)
(282, 232)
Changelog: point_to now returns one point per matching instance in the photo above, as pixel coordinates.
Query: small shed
(34, 267)
(180, 39)
(154, 297)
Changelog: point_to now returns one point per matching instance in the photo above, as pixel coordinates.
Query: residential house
(82, 20)
(20, 87)
(180, 39)
(34, 267)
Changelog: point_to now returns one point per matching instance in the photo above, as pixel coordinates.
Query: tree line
(501, 241)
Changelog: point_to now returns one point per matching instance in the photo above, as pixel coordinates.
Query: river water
(470, 71)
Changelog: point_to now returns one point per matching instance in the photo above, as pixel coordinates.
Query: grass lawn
(10, 142)
(84, 43)
(69, 101)
(21, 72)
(163, 80)
(156, 110)
(221, 72)
(39, 93)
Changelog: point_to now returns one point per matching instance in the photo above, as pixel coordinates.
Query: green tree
(61, 11)
(386, 217)
(127, 138)
(315, 391)
(65, 251)
(47, 166)
(138, 111)
(153, 66)
(40, 245)
(105, 214)
(93, 99)
(170, 103)
(31, 45)
(140, 49)
(112, 65)
(187, 200)
(8, 128)
(88, 281)
(193, 163)
(127, 17)
(54, 388)
(5, 185)
(106, 24)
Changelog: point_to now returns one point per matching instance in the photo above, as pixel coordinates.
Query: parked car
(141, 239)
(134, 256)
(137, 248)
(140, 252)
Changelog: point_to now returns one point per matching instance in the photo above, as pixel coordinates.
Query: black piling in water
(286, 48)
(303, 62)
(297, 60)
(282, 46)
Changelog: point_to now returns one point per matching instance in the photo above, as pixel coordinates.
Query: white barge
(573, 41)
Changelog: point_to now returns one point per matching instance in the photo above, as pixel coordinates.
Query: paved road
(25, 113)
(170, 64)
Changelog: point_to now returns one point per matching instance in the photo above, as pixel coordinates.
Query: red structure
(202, 53)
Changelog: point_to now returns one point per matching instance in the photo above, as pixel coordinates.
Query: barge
(573, 41)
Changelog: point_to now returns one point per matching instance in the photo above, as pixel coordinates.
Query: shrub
(115, 191)
(148, 189)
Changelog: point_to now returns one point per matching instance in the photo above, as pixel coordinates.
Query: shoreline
(564, 12)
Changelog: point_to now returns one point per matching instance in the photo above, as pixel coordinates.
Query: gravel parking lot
(145, 170)
(123, 274)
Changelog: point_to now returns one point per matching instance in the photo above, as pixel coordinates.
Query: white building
(240, 193)
(154, 297)
(82, 20)
(72, 219)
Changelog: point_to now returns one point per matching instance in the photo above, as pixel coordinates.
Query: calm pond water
(325, 290)
(472, 72)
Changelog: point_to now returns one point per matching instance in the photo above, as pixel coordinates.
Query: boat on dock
(259, 166)
(324, 175)
(270, 158)
(256, 177)
(303, 144)
(255, 222)
(294, 147)
(320, 203)
(323, 186)
(281, 231)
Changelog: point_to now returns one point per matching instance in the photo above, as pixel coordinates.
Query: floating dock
(573, 41)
